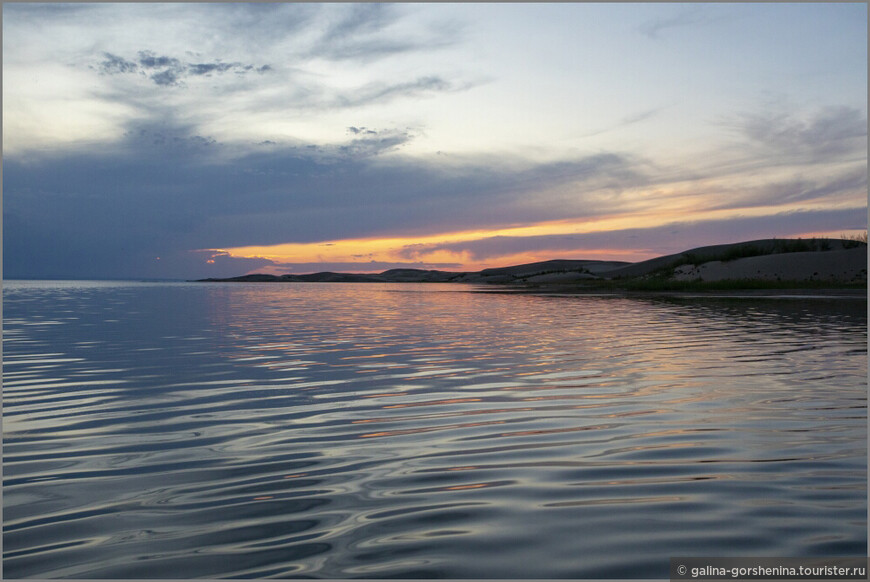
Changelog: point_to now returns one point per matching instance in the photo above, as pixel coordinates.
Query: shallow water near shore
(178, 430)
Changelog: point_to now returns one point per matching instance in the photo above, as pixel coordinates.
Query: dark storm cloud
(165, 190)
(660, 240)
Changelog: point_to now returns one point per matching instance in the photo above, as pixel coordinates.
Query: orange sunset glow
(423, 251)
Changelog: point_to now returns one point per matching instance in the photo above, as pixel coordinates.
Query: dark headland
(818, 263)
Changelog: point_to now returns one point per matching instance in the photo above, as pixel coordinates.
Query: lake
(178, 430)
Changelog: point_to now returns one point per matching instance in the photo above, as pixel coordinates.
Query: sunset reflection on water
(388, 430)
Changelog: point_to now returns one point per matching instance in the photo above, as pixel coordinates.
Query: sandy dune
(842, 266)
(824, 260)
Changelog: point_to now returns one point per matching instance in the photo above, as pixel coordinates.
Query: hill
(541, 271)
(821, 261)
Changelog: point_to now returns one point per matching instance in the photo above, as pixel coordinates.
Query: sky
(192, 140)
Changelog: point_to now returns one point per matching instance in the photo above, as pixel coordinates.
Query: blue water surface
(177, 430)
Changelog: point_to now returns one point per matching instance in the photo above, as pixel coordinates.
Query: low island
(818, 263)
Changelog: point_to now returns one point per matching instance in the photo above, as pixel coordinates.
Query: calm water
(345, 431)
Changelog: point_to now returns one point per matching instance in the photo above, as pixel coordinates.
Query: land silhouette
(758, 264)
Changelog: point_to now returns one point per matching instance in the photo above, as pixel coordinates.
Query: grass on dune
(662, 284)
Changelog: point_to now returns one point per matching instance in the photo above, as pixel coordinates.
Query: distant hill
(766, 259)
(517, 273)
(819, 260)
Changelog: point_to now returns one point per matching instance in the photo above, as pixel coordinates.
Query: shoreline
(758, 293)
(786, 267)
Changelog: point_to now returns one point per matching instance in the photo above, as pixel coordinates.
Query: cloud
(372, 143)
(359, 19)
(849, 184)
(150, 61)
(660, 240)
(165, 189)
(206, 68)
(367, 32)
(361, 130)
(687, 17)
(255, 91)
(821, 136)
(165, 78)
(381, 93)
(113, 64)
(193, 117)
(628, 120)
(168, 71)
(163, 141)
(48, 10)
(241, 71)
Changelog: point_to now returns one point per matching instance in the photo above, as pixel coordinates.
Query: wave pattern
(401, 431)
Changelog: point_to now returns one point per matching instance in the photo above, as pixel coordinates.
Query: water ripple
(337, 431)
